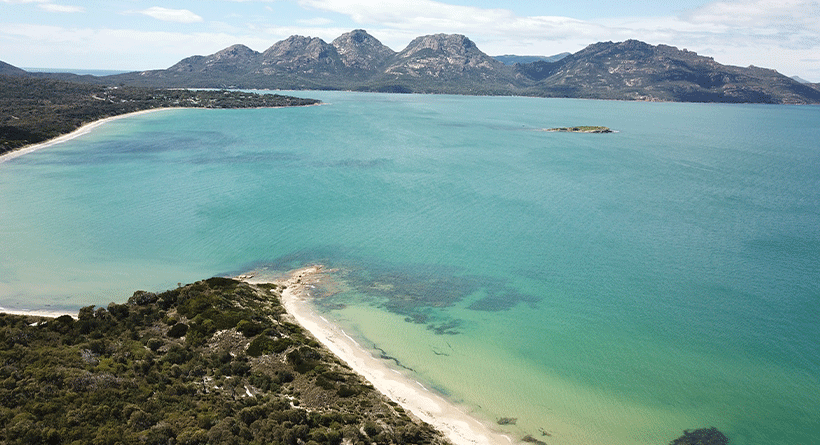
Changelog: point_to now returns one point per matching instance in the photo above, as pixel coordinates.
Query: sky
(137, 35)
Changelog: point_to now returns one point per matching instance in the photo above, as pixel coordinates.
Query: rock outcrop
(362, 52)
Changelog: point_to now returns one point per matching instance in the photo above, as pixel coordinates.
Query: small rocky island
(581, 129)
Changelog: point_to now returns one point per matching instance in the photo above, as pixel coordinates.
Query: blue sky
(148, 34)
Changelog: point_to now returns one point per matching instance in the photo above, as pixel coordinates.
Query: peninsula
(35, 110)
(218, 361)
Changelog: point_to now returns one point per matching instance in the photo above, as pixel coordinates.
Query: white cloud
(768, 24)
(403, 14)
(97, 48)
(53, 7)
(171, 15)
(496, 30)
(46, 5)
(759, 13)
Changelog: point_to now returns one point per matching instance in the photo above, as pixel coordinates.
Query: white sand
(37, 313)
(459, 427)
(74, 134)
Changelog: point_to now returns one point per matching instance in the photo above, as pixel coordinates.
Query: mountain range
(453, 64)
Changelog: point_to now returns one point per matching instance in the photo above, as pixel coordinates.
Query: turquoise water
(604, 288)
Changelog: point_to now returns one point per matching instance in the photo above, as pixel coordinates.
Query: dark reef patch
(703, 436)
(529, 439)
(415, 289)
(385, 356)
(447, 328)
(418, 292)
(507, 421)
(501, 297)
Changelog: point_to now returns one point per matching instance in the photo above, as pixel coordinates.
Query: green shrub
(223, 283)
(154, 344)
(284, 377)
(177, 355)
(62, 324)
(280, 345)
(371, 428)
(324, 383)
(304, 359)
(178, 330)
(260, 345)
(349, 391)
(248, 328)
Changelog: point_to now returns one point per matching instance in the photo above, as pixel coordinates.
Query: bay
(599, 288)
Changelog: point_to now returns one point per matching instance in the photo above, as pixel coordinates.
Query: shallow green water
(603, 288)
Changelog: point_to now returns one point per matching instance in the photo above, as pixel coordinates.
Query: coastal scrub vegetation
(34, 110)
(214, 362)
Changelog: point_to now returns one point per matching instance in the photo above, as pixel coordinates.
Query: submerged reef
(416, 291)
(703, 436)
(507, 421)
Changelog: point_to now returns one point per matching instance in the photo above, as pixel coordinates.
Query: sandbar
(74, 134)
(457, 425)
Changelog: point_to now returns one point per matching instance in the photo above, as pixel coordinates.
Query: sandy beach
(459, 427)
(37, 313)
(74, 134)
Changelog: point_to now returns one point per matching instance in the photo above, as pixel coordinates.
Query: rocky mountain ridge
(635, 70)
(360, 50)
(453, 64)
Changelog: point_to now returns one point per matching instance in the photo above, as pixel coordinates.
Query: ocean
(581, 288)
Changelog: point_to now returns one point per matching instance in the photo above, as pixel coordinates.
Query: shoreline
(458, 426)
(37, 313)
(84, 129)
